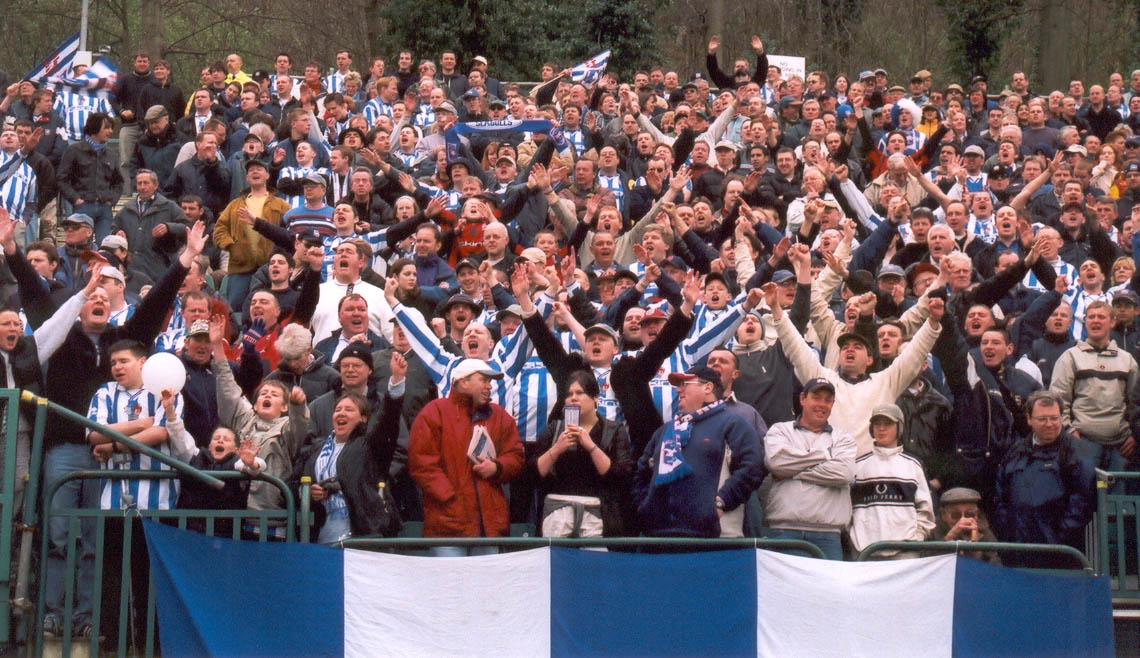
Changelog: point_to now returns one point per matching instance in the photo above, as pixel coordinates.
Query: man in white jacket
(890, 498)
(857, 393)
(811, 464)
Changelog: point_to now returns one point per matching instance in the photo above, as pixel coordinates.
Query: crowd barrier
(1115, 538)
(129, 627)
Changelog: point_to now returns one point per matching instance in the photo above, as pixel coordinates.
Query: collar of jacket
(463, 401)
(886, 452)
(800, 426)
(1109, 350)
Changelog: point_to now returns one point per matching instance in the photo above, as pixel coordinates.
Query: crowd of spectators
(834, 308)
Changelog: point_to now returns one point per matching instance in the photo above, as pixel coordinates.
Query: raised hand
(196, 239)
(714, 43)
(399, 367)
(93, 278)
(937, 308)
(435, 206)
(248, 452)
(297, 396)
(391, 285)
(757, 44)
(680, 179)
(217, 329)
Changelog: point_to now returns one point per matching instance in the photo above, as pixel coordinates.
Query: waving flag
(565, 602)
(98, 80)
(591, 70)
(58, 62)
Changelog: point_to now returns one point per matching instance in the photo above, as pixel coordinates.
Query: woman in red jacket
(463, 448)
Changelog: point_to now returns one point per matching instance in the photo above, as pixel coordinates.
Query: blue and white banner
(508, 125)
(56, 63)
(218, 597)
(98, 80)
(590, 71)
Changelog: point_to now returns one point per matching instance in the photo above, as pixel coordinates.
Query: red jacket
(458, 503)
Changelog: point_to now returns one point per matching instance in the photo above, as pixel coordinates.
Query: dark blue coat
(1044, 496)
(687, 507)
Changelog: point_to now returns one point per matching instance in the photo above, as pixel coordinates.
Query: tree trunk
(151, 25)
(1054, 38)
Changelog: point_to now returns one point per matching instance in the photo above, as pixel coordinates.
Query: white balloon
(163, 371)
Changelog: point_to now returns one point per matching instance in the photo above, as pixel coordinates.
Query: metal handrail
(718, 543)
(52, 487)
(176, 464)
(975, 547)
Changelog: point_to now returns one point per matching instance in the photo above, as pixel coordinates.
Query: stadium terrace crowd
(835, 308)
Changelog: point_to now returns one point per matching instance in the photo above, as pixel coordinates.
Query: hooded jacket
(890, 499)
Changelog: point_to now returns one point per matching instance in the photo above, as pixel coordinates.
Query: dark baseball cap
(849, 336)
(695, 373)
(780, 276)
(817, 384)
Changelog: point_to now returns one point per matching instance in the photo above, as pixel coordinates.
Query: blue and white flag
(98, 80)
(565, 602)
(508, 125)
(58, 62)
(591, 70)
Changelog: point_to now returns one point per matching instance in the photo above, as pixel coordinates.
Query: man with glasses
(1044, 486)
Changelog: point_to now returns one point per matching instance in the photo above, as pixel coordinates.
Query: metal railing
(127, 638)
(626, 543)
(1115, 544)
(960, 547)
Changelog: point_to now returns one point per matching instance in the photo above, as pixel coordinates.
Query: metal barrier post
(27, 527)
(8, 503)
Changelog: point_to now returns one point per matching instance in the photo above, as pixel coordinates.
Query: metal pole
(83, 26)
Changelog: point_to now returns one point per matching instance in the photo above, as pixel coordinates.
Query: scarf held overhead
(451, 137)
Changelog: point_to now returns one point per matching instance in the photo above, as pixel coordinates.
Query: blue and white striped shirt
(374, 109)
(297, 173)
(18, 193)
(114, 404)
(535, 393)
(425, 117)
(614, 184)
(1079, 299)
(1061, 267)
(170, 341)
(74, 108)
(334, 82)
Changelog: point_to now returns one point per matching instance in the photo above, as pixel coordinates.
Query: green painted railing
(627, 543)
(1116, 533)
(959, 547)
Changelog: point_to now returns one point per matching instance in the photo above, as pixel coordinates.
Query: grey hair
(294, 342)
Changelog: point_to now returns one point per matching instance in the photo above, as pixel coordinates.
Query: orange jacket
(458, 503)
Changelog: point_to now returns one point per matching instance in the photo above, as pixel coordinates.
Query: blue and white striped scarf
(671, 464)
(325, 468)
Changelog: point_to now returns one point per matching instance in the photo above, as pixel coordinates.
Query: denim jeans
(1106, 458)
(237, 289)
(462, 551)
(100, 213)
(828, 542)
(59, 461)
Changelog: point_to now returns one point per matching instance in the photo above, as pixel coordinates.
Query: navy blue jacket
(687, 507)
(1044, 495)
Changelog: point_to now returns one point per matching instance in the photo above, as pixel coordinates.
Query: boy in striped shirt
(124, 406)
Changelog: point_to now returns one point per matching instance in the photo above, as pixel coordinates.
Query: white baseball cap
(468, 367)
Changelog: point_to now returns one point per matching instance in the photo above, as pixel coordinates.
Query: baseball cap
(479, 58)
(113, 241)
(675, 262)
(864, 75)
(843, 111)
(198, 328)
(315, 179)
(960, 495)
(974, 149)
(725, 145)
(655, 313)
(446, 106)
(817, 384)
(507, 158)
(1132, 142)
(259, 75)
(1126, 296)
(692, 374)
(310, 237)
(955, 87)
(458, 299)
(891, 270)
(255, 163)
(468, 367)
(513, 309)
(602, 328)
(849, 336)
(1077, 148)
(888, 410)
(781, 276)
(79, 218)
(1132, 167)
(113, 273)
(999, 171)
(251, 136)
(154, 113)
(918, 268)
(466, 262)
(878, 71)
(496, 102)
(785, 101)
(894, 88)
(533, 255)
(472, 94)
